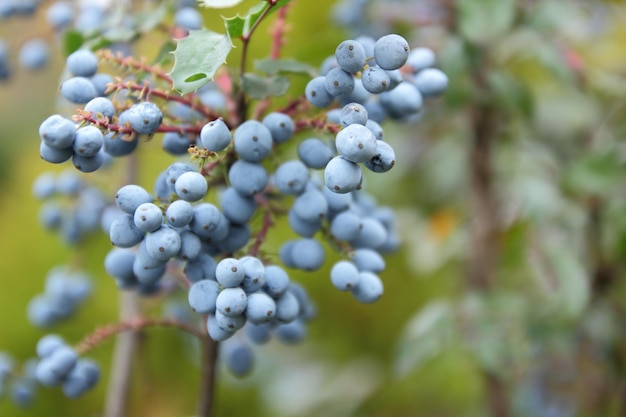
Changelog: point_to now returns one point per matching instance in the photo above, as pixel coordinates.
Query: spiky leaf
(197, 58)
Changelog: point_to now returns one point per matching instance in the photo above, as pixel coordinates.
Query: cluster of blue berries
(244, 292)
(386, 76)
(65, 290)
(20, 386)
(60, 365)
(89, 19)
(71, 206)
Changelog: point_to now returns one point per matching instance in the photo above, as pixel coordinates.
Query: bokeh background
(507, 297)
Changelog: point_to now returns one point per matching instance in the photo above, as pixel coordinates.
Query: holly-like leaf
(238, 26)
(219, 4)
(483, 21)
(197, 58)
(428, 333)
(72, 41)
(261, 87)
(147, 21)
(277, 66)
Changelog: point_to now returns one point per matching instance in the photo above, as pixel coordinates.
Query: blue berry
(144, 118)
(175, 143)
(118, 263)
(88, 163)
(123, 232)
(190, 245)
(339, 82)
(229, 273)
(314, 153)
(280, 125)
(317, 94)
(101, 107)
(287, 307)
(231, 301)
(353, 113)
(101, 83)
(356, 143)
(179, 213)
(88, 141)
(391, 51)
(260, 308)
(254, 274)
(78, 90)
(240, 360)
(376, 80)
(346, 226)
(368, 289)
(201, 268)
(82, 63)
(188, 18)
(215, 331)
(344, 275)
(248, 178)
(33, 54)
(148, 217)
(237, 208)
(191, 186)
(342, 176)
(215, 135)
(203, 295)
(310, 205)
(431, 82)
(115, 145)
(57, 132)
(368, 260)
(131, 196)
(59, 15)
(350, 56)
(383, 160)
(291, 177)
(252, 140)
(292, 332)
(420, 58)
(47, 344)
(308, 254)
(404, 100)
(276, 281)
(208, 222)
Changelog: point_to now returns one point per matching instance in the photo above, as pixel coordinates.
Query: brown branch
(103, 333)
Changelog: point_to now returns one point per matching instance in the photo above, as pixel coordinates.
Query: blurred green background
(549, 326)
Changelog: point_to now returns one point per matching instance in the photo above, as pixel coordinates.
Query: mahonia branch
(103, 333)
(135, 64)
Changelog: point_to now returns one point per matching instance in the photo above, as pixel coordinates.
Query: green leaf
(277, 66)
(72, 41)
(430, 331)
(561, 271)
(120, 34)
(595, 174)
(147, 21)
(261, 87)
(238, 26)
(219, 4)
(510, 93)
(494, 329)
(197, 58)
(482, 21)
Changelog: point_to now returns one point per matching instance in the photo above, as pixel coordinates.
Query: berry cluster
(60, 365)
(71, 206)
(203, 227)
(64, 291)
